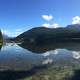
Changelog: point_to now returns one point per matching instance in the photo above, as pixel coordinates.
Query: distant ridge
(46, 35)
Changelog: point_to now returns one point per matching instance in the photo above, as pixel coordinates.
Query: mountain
(5, 36)
(7, 39)
(74, 26)
(43, 35)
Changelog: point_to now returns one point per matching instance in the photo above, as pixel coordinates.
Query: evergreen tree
(1, 37)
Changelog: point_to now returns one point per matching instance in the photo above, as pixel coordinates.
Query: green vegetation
(41, 39)
(1, 38)
(42, 35)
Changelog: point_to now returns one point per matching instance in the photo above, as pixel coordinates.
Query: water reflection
(53, 58)
(17, 58)
(0, 47)
(73, 46)
(61, 54)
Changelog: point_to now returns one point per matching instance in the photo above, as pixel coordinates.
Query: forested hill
(43, 34)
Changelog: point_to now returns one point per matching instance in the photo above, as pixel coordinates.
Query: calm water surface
(14, 57)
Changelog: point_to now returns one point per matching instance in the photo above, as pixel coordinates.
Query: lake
(59, 61)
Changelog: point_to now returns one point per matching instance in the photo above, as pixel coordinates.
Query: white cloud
(47, 17)
(46, 25)
(76, 54)
(54, 25)
(48, 53)
(56, 51)
(76, 20)
(47, 61)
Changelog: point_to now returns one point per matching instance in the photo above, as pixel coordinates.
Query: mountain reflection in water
(72, 46)
(31, 59)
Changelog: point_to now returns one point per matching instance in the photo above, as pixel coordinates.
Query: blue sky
(17, 16)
